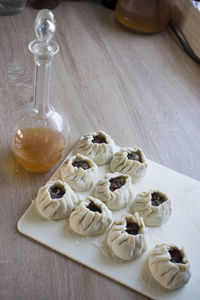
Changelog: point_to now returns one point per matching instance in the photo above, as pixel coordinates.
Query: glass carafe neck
(43, 49)
(41, 89)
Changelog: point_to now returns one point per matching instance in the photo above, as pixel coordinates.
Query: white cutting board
(182, 229)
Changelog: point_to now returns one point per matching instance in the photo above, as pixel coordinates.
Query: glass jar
(11, 7)
(146, 16)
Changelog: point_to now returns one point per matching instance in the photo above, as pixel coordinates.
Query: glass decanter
(40, 132)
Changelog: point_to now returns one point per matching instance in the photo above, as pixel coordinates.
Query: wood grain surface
(141, 89)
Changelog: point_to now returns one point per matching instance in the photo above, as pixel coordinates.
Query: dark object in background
(109, 3)
(44, 3)
(184, 43)
(185, 23)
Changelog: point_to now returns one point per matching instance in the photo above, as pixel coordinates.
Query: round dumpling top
(169, 266)
(115, 190)
(126, 237)
(98, 146)
(79, 171)
(91, 217)
(129, 161)
(154, 206)
(55, 200)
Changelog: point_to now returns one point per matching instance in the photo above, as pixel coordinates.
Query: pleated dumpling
(129, 161)
(153, 206)
(126, 237)
(115, 190)
(80, 172)
(91, 217)
(55, 200)
(169, 266)
(98, 146)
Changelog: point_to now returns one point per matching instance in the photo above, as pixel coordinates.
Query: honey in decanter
(38, 149)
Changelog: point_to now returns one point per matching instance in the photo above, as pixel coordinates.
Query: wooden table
(141, 89)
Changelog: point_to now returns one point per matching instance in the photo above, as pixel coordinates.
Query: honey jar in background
(147, 16)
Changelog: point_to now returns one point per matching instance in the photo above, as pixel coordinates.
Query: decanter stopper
(44, 48)
(45, 26)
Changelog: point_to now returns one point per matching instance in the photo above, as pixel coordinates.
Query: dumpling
(55, 200)
(129, 161)
(98, 146)
(153, 206)
(115, 190)
(91, 217)
(80, 172)
(126, 237)
(169, 266)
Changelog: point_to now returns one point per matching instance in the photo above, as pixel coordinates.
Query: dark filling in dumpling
(81, 164)
(134, 156)
(94, 207)
(176, 256)
(56, 192)
(99, 139)
(116, 183)
(132, 228)
(156, 199)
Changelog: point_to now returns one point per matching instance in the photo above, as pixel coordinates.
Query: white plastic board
(182, 229)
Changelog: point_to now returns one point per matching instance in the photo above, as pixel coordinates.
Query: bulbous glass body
(39, 144)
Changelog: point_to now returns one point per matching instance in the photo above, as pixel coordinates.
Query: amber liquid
(38, 149)
(144, 15)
